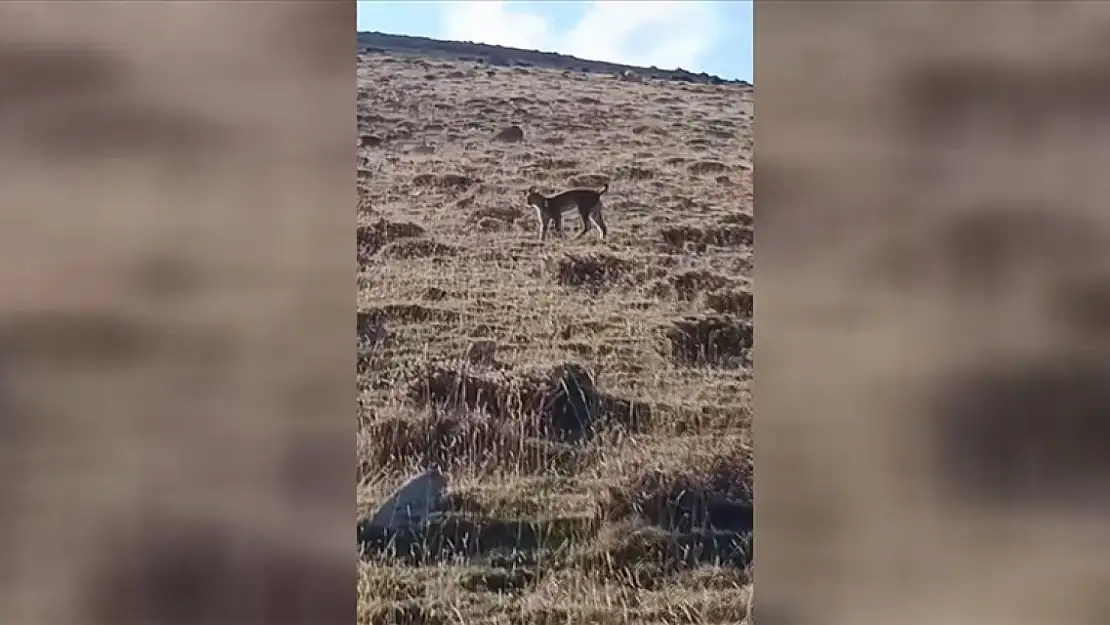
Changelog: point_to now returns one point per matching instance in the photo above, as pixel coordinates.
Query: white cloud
(486, 21)
(666, 34)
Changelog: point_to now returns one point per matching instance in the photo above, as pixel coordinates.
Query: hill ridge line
(385, 43)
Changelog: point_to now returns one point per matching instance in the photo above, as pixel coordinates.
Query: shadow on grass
(452, 537)
(563, 405)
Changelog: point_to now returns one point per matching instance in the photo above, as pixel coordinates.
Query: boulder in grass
(511, 134)
(413, 503)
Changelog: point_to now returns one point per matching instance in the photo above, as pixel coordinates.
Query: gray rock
(413, 503)
(510, 134)
(629, 76)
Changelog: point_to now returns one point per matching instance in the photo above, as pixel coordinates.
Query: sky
(713, 37)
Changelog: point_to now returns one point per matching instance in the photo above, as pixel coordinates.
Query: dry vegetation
(590, 401)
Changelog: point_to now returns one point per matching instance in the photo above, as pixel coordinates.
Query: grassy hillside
(589, 400)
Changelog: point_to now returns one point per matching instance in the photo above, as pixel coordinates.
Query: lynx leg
(543, 224)
(558, 219)
(599, 221)
(585, 215)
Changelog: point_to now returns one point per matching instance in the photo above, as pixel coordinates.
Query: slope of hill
(499, 56)
(588, 400)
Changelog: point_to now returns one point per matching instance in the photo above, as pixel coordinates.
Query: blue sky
(713, 37)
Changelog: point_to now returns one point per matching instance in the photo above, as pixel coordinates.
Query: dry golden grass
(480, 348)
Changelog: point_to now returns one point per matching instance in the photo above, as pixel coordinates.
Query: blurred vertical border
(176, 398)
(933, 385)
